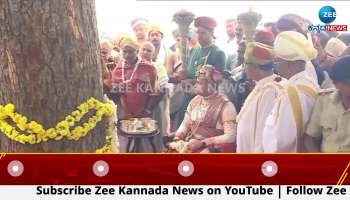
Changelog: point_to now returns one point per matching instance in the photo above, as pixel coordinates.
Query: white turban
(139, 21)
(292, 46)
(335, 47)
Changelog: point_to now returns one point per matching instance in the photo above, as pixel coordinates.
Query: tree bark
(49, 64)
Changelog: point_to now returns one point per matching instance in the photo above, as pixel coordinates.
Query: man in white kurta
(160, 57)
(256, 109)
(284, 127)
(258, 105)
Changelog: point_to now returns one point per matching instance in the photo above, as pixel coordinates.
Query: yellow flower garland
(35, 132)
(112, 143)
(107, 148)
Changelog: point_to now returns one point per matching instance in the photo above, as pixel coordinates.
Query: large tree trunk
(49, 64)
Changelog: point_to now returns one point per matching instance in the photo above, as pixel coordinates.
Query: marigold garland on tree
(33, 132)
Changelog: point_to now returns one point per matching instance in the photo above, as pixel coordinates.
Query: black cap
(340, 70)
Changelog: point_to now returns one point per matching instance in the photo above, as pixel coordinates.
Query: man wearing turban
(296, 23)
(285, 125)
(329, 128)
(207, 53)
(242, 84)
(333, 49)
(209, 120)
(258, 66)
(160, 60)
(161, 53)
(140, 27)
(134, 81)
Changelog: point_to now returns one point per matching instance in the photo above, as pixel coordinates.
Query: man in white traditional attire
(159, 60)
(258, 66)
(285, 125)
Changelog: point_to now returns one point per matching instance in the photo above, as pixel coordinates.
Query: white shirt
(231, 48)
(311, 72)
(257, 107)
(280, 130)
(162, 55)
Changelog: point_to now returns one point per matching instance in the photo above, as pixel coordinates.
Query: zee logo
(327, 14)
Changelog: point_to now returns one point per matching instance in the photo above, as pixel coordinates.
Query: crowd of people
(284, 90)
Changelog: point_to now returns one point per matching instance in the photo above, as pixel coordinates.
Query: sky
(114, 16)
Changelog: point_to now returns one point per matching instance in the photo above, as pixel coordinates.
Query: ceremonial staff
(247, 23)
(183, 19)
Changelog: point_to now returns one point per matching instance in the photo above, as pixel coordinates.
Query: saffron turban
(292, 46)
(119, 37)
(155, 28)
(130, 42)
(259, 53)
